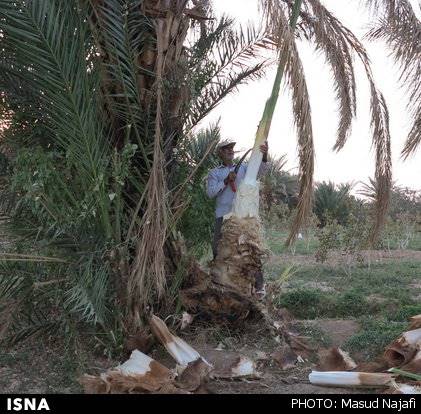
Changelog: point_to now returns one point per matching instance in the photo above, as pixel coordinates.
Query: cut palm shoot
(239, 259)
(236, 272)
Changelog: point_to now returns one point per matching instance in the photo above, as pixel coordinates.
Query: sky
(240, 113)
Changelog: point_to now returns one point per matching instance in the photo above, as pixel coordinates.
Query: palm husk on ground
(401, 359)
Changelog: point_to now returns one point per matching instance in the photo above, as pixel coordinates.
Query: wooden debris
(350, 379)
(299, 346)
(186, 320)
(139, 374)
(180, 350)
(143, 341)
(203, 296)
(335, 359)
(378, 365)
(403, 350)
(231, 365)
(415, 364)
(415, 322)
(194, 376)
(285, 357)
(406, 389)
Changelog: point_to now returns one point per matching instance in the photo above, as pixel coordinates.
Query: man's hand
(264, 148)
(230, 177)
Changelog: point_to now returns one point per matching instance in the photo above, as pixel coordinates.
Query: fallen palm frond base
(350, 379)
(335, 359)
(141, 374)
(180, 350)
(406, 389)
(402, 357)
(405, 351)
(415, 322)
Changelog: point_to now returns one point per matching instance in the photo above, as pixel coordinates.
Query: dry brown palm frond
(400, 28)
(339, 57)
(278, 29)
(318, 20)
(178, 206)
(414, 137)
(381, 143)
(147, 278)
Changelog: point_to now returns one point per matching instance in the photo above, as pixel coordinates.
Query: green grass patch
(415, 243)
(374, 336)
(404, 313)
(317, 337)
(309, 244)
(389, 280)
(380, 290)
(313, 303)
(276, 239)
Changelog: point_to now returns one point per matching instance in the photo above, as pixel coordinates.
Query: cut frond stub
(139, 374)
(350, 379)
(334, 359)
(180, 350)
(403, 350)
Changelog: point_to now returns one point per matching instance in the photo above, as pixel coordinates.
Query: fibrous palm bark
(240, 250)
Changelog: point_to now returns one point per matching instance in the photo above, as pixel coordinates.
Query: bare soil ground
(44, 366)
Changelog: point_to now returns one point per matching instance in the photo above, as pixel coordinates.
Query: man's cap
(225, 143)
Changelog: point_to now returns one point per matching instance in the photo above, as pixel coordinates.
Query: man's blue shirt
(224, 195)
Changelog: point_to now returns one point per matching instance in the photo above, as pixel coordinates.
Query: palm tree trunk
(239, 262)
(239, 259)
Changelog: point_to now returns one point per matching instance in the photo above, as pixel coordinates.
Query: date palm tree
(117, 85)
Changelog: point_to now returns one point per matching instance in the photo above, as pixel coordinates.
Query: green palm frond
(23, 308)
(196, 148)
(221, 60)
(37, 30)
(206, 38)
(35, 323)
(214, 93)
(53, 36)
(88, 294)
(122, 34)
(32, 302)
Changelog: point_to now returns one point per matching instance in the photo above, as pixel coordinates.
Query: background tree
(333, 202)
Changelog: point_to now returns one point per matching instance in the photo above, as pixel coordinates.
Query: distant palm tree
(277, 186)
(332, 202)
